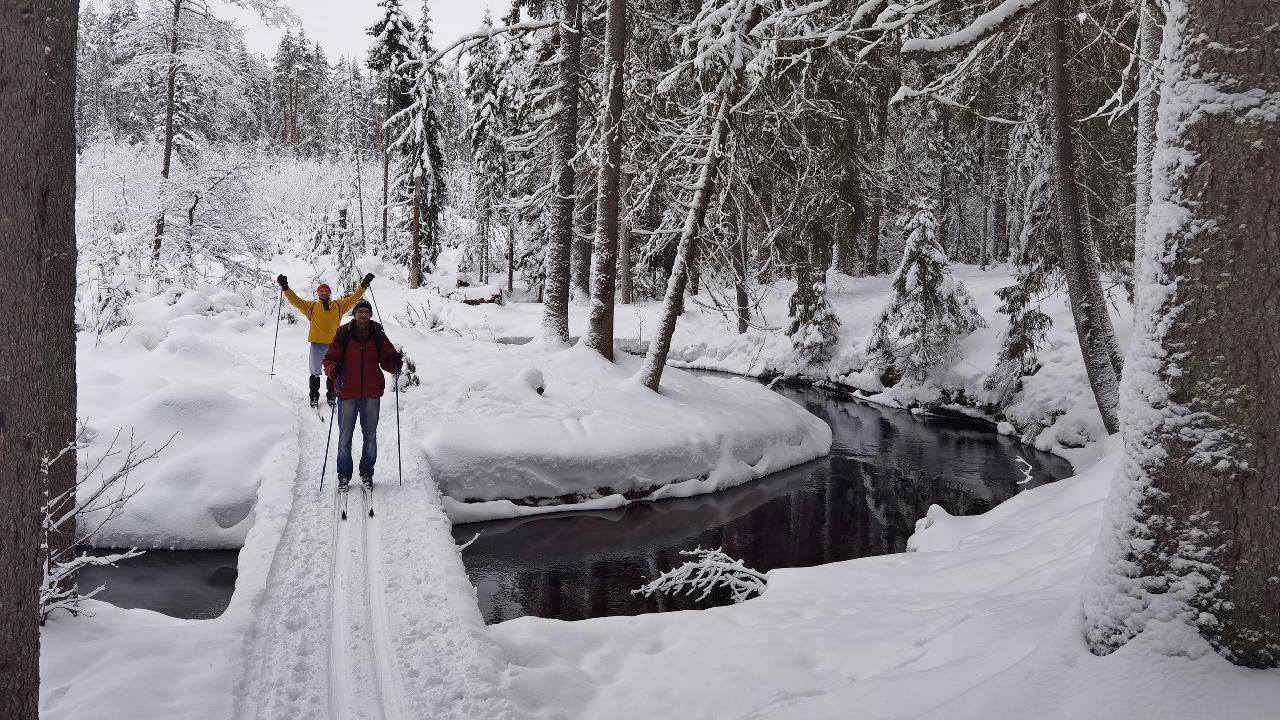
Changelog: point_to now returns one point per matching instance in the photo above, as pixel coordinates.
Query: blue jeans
(367, 410)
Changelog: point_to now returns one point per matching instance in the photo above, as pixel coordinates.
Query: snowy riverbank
(989, 628)
(1052, 409)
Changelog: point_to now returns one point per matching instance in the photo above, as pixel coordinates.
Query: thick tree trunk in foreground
(1084, 288)
(656, 359)
(1194, 525)
(555, 313)
(604, 261)
(37, 240)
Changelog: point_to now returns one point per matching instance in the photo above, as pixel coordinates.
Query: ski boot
(344, 484)
(367, 482)
(314, 395)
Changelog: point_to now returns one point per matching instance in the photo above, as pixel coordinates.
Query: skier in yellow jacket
(325, 316)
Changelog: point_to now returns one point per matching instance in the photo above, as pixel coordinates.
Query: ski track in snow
(367, 618)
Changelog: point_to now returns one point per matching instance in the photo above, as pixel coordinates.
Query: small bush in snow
(930, 309)
(711, 570)
(814, 324)
(85, 514)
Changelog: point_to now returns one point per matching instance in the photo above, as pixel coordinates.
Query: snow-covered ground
(983, 622)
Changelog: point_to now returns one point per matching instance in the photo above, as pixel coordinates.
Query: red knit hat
(323, 286)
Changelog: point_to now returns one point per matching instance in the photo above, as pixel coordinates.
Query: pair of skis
(366, 494)
(320, 413)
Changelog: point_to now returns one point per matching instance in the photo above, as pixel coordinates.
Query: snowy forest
(847, 127)
(781, 291)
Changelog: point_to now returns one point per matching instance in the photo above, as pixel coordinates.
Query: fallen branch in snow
(712, 569)
(468, 543)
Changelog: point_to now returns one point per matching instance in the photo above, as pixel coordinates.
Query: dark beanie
(359, 304)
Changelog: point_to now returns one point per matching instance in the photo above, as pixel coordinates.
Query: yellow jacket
(324, 323)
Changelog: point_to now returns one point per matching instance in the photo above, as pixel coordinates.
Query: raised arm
(303, 306)
(345, 304)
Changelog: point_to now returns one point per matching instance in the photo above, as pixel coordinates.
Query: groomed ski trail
(367, 618)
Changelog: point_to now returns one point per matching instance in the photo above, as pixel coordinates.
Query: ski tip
(370, 512)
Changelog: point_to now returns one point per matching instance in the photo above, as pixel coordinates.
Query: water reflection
(184, 584)
(884, 470)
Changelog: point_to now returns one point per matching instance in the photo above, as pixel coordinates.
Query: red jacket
(362, 362)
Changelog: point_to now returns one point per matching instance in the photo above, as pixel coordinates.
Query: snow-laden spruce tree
(485, 132)
(930, 310)
(1034, 254)
(1189, 555)
(420, 139)
(814, 325)
(391, 50)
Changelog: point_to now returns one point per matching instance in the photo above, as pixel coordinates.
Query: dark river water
(884, 470)
(185, 584)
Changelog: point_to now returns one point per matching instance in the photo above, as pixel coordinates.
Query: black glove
(337, 370)
(397, 361)
(367, 279)
(283, 282)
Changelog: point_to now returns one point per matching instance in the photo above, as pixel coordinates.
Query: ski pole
(328, 436)
(375, 304)
(399, 463)
(274, 343)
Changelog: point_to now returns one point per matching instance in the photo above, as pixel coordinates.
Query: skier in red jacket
(355, 360)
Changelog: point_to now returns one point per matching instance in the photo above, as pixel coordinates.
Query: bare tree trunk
(415, 252)
(37, 240)
(985, 170)
(364, 242)
(555, 317)
(656, 359)
(1195, 532)
(1149, 37)
(583, 233)
(626, 294)
(170, 89)
(604, 261)
(511, 253)
(871, 265)
(1084, 288)
(386, 165)
(740, 272)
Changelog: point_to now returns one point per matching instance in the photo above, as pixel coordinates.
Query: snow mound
(177, 378)
(595, 432)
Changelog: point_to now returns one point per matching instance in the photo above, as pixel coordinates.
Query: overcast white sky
(339, 25)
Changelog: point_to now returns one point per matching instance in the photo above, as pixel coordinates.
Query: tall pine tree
(393, 47)
(419, 139)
